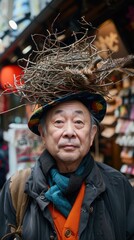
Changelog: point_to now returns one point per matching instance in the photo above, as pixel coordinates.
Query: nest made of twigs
(60, 69)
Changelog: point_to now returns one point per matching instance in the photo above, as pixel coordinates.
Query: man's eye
(79, 122)
(58, 121)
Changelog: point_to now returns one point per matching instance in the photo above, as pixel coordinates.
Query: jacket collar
(37, 182)
(46, 162)
(95, 185)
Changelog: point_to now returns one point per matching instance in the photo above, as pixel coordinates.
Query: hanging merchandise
(7, 76)
(125, 127)
(119, 123)
(110, 119)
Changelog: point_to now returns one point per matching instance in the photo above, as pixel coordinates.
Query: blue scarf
(59, 185)
(56, 192)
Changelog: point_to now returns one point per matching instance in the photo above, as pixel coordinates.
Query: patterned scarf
(61, 186)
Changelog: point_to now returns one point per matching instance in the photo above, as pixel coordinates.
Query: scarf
(63, 186)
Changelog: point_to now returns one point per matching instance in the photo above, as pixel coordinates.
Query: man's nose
(69, 130)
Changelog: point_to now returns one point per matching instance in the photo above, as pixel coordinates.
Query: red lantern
(10, 77)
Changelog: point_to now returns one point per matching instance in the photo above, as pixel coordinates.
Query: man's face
(68, 134)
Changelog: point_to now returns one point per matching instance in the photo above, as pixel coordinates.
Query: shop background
(113, 21)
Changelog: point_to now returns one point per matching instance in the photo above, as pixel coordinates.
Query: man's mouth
(69, 146)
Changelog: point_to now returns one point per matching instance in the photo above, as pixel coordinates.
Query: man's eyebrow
(78, 111)
(60, 111)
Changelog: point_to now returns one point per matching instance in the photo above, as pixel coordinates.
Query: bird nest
(59, 69)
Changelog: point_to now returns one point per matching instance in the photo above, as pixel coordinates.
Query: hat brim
(95, 103)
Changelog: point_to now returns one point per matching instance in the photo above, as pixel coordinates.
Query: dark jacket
(107, 211)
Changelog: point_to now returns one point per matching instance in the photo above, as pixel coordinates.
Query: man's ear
(93, 133)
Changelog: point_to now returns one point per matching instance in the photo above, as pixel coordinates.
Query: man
(70, 195)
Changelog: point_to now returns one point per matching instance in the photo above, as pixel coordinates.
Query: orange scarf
(68, 228)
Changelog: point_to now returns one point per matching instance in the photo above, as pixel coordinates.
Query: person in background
(4, 165)
(71, 196)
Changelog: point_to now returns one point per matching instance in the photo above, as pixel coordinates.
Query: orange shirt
(68, 228)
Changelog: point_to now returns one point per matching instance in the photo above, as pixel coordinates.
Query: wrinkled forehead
(70, 105)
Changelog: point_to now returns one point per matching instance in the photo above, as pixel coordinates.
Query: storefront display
(125, 127)
(24, 147)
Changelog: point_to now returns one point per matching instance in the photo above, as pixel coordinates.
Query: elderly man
(70, 195)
